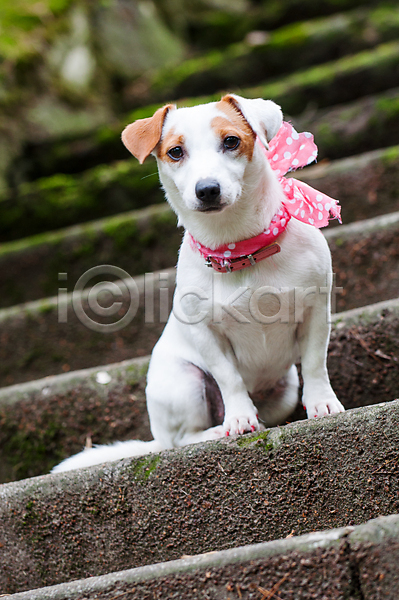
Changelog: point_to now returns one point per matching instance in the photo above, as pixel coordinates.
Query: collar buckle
(251, 259)
(227, 266)
(247, 260)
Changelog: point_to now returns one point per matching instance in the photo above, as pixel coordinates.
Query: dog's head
(204, 152)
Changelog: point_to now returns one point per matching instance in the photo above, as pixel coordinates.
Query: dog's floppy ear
(264, 116)
(142, 136)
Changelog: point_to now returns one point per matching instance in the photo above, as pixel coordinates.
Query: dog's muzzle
(208, 193)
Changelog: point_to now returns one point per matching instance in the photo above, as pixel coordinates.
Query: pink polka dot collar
(239, 255)
(288, 151)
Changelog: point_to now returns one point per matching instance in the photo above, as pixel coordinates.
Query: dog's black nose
(208, 191)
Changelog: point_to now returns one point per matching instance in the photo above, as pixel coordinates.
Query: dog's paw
(323, 408)
(239, 425)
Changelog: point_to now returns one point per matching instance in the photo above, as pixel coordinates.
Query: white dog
(241, 319)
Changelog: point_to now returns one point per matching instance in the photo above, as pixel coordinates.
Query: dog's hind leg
(178, 410)
(184, 403)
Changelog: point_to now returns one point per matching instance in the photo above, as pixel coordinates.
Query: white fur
(204, 334)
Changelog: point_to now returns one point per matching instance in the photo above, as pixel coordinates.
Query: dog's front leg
(318, 396)
(240, 414)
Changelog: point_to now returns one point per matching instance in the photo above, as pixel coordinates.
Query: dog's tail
(101, 454)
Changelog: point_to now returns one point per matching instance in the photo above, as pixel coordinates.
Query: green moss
(167, 79)
(260, 439)
(384, 19)
(123, 233)
(291, 35)
(325, 134)
(389, 107)
(339, 242)
(133, 374)
(26, 453)
(288, 91)
(144, 467)
(31, 243)
(45, 307)
(23, 26)
(391, 156)
(62, 200)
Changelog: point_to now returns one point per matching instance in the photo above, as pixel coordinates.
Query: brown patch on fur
(170, 140)
(142, 136)
(235, 124)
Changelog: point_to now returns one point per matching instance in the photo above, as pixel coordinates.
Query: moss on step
(367, 72)
(284, 50)
(322, 85)
(37, 431)
(62, 200)
(143, 468)
(215, 24)
(260, 440)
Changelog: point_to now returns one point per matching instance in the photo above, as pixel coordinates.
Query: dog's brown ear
(142, 136)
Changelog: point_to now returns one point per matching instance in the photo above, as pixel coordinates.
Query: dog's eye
(176, 153)
(231, 142)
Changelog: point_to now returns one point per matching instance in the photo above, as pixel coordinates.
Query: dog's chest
(260, 330)
(247, 314)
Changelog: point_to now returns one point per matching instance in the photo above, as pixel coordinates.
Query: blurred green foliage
(23, 24)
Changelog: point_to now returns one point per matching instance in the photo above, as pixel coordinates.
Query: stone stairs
(284, 482)
(305, 510)
(360, 561)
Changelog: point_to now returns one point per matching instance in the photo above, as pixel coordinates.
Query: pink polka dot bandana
(290, 150)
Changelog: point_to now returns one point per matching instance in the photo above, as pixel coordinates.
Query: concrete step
(147, 239)
(370, 122)
(64, 333)
(46, 420)
(332, 472)
(366, 184)
(61, 333)
(138, 241)
(365, 260)
(338, 564)
(124, 185)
